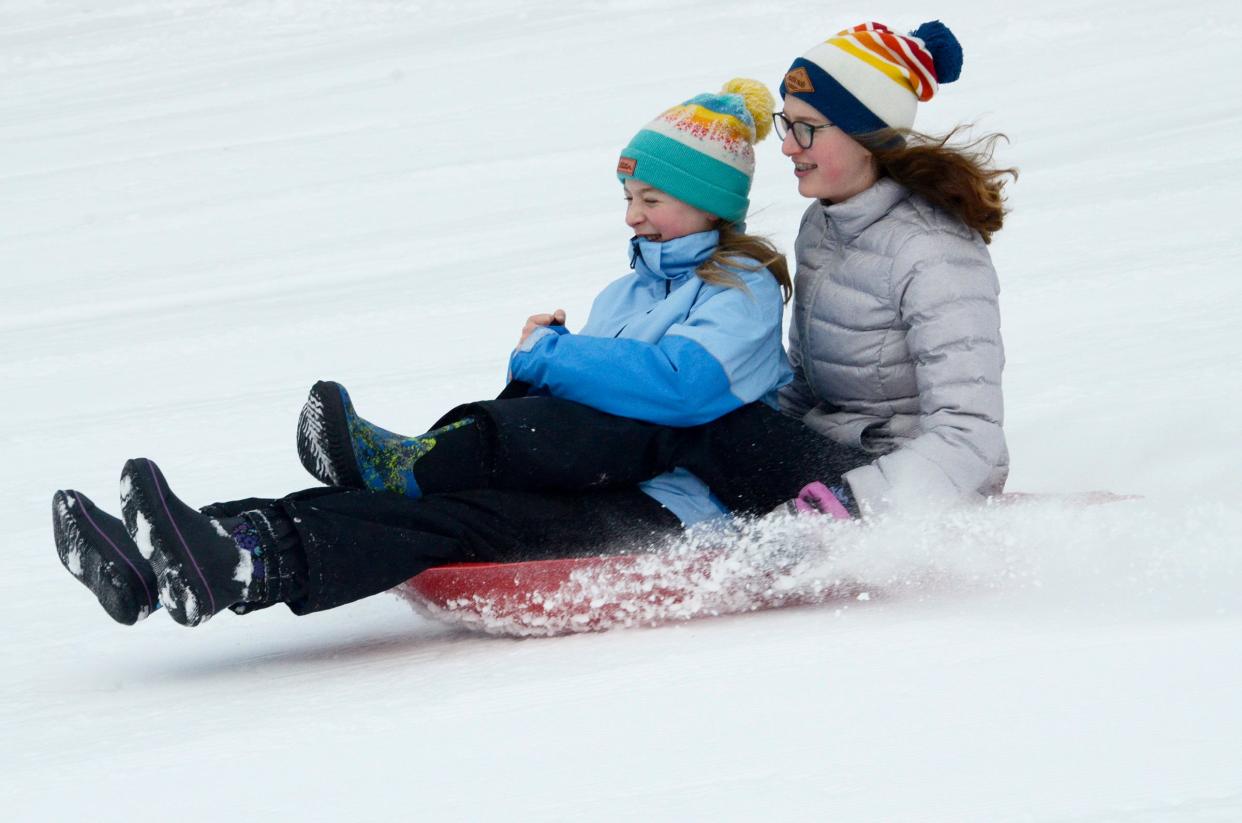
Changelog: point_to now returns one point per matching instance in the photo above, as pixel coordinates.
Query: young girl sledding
(692, 333)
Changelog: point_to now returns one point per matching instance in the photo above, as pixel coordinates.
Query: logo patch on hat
(798, 81)
(626, 165)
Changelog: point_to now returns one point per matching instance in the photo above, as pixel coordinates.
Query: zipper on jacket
(804, 321)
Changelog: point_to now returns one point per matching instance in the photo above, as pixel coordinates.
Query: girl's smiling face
(656, 216)
(836, 166)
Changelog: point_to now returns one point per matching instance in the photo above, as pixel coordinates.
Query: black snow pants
(559, 480)
(753, 459)
(358, 543)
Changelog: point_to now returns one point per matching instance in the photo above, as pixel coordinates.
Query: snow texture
(1063, 552)
(208, 205)
(173, 589)
(243, 572)
(73, 561)
(142, 534)
(72, 555)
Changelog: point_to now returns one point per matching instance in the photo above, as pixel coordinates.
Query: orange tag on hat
(797, 80)
(626, 165)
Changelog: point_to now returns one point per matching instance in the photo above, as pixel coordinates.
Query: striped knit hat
(866, 78)
(701, 151)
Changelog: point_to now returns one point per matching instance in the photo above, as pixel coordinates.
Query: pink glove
(816, 498)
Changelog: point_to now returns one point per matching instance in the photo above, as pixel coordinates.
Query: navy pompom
(945, 51)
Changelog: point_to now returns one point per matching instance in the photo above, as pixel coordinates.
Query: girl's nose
(789, 146)
(633, 215)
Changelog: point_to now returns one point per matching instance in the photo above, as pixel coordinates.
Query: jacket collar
(673, 259)
(852, 217)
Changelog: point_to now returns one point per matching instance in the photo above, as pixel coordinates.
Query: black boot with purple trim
(95, 548)
(205, 564)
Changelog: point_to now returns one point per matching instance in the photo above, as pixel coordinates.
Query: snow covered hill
(206, 205)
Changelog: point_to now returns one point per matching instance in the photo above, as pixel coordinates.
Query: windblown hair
(734, 250)
(958, 179)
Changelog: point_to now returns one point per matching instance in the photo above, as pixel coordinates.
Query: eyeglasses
(804, 133)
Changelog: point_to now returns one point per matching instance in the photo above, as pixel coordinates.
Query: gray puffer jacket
(896, 347)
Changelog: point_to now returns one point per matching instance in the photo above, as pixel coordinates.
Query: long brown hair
(735, 245)
(958, 179)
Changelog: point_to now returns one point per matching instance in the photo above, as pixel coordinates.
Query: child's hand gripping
(517, 388)
(535, 321)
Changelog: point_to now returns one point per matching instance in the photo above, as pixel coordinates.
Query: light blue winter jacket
(663, 346)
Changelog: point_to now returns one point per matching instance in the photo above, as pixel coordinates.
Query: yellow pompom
(759, 103)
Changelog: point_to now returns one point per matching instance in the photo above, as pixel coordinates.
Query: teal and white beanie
(702, 151)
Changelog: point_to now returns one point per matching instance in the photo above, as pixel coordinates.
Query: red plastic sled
(567, 595)
(583, 594)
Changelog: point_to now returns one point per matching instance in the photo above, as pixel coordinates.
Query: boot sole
(149, 520)
(90, 555)
(324, 440)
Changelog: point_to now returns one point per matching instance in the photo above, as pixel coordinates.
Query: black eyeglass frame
(784, 125)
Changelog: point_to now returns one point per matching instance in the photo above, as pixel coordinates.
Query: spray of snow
(1123, 558)
(1126, 556)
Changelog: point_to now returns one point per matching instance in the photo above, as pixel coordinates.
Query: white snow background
(206, 206)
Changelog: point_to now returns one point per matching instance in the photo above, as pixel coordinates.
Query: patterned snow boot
(204, 564)
(339, 448)
(95, 548)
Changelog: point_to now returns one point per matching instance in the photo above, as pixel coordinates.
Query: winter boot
(95, 548)
(204, 564)
(340, 448)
